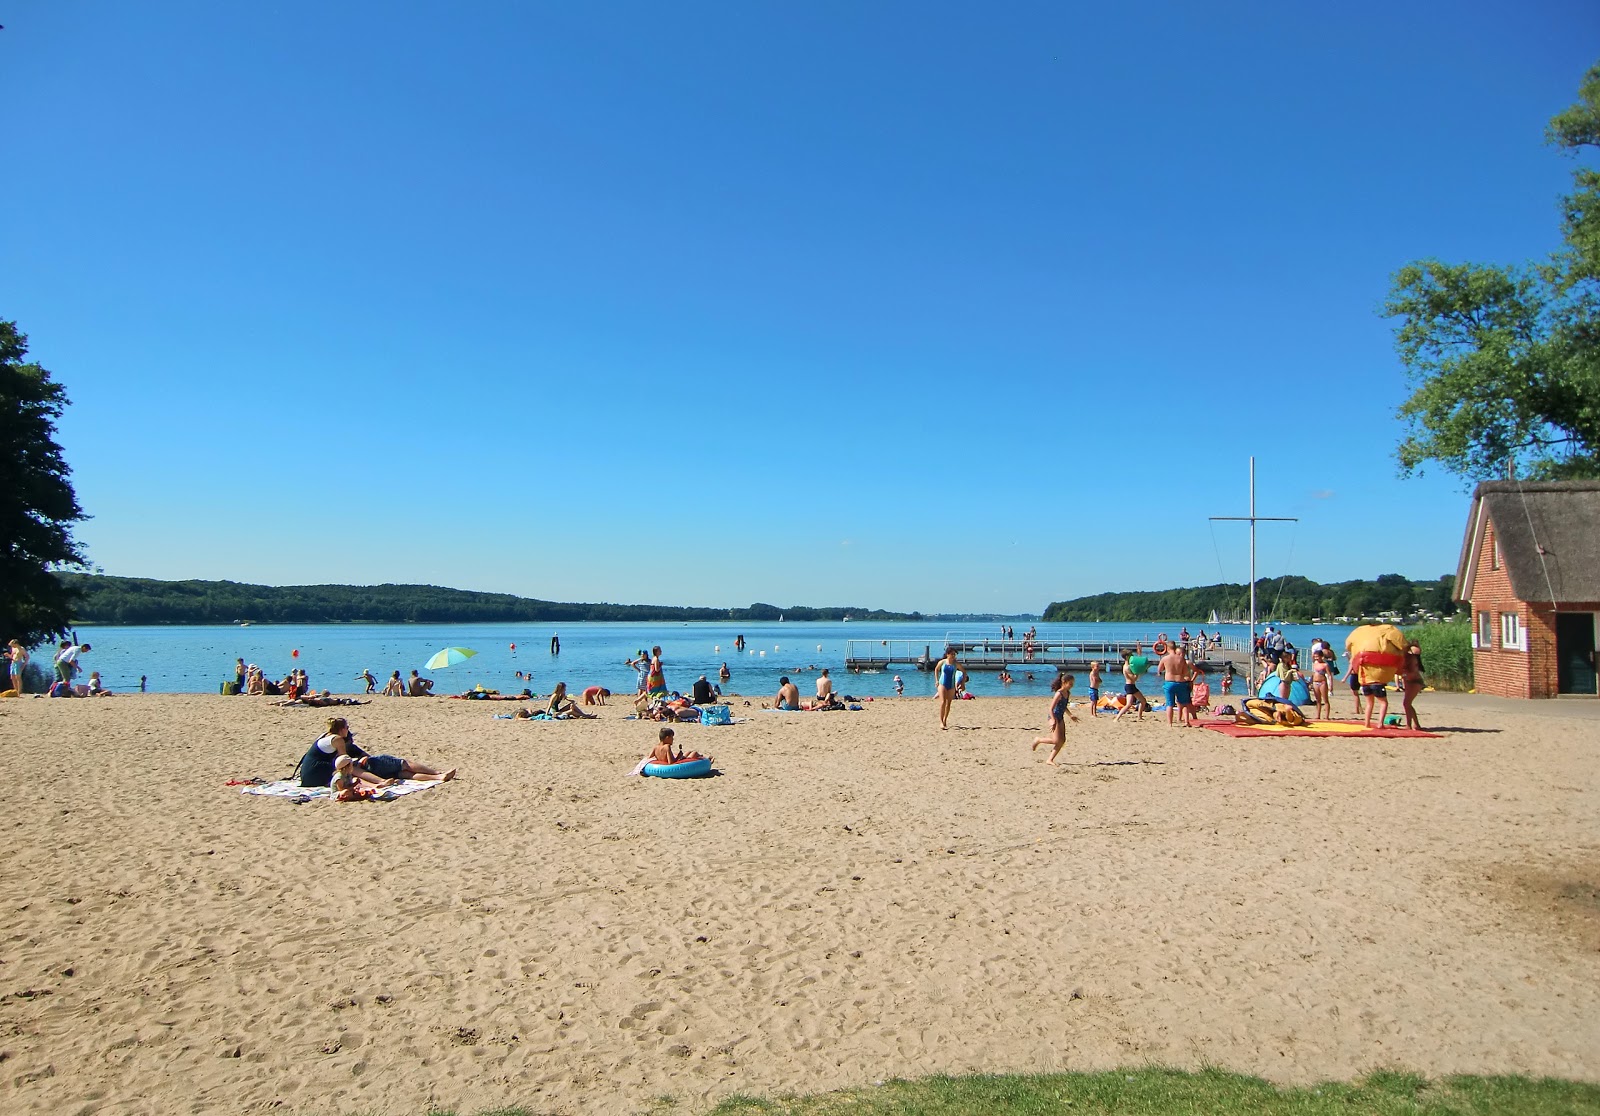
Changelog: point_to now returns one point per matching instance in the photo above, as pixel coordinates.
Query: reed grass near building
(1446, 655)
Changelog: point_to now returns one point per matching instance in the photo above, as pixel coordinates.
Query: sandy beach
(856, 896)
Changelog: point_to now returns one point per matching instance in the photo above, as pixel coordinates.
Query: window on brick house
(1485, 631)
(1494, 554)
(1511, 633)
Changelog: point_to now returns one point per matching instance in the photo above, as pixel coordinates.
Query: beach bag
(716, 715)
(230, 688)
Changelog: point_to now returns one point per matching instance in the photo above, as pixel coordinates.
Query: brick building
(1530, 573)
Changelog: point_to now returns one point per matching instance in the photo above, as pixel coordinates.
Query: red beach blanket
(1317, 728)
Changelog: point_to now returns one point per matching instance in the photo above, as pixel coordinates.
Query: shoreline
(857, 896)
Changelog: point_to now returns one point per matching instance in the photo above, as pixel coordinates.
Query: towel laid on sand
(1317, 728)
(290, 788)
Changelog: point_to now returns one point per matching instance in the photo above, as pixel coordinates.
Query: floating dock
(1060, 651)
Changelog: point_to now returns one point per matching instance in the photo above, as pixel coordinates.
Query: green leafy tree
(37, 504)
(1505, 361)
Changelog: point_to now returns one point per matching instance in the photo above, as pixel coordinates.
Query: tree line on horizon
(1290, 599)
(103, 599)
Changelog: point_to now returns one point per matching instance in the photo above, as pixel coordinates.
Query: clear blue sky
(821, 303)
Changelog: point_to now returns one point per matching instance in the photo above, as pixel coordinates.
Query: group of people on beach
(334, 760)
(1277, 658)
(67, 666)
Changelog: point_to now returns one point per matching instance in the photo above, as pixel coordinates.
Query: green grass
(1446, 654)
(1158, 1092)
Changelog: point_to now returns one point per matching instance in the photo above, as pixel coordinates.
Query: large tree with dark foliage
(1506, 360)
(37, 504)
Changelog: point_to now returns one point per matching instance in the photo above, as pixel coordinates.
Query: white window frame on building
(1513, 636)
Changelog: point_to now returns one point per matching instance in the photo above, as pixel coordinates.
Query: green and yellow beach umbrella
(450, 656)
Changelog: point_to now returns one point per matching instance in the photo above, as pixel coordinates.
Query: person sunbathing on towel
(663, 753)
(391, 768)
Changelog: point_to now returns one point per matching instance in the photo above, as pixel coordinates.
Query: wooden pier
(1067, 652)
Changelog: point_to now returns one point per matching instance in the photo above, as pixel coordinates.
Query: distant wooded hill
(1291, 599)
(134, 600)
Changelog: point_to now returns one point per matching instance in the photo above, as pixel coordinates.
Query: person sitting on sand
(392, 768)
(394, 687)
(662, 753)
(702, 692)
(419, 687)
(350, 783)
(595, 695)
(824, 687)
(96, 688)
(562, 706)
(317, 765)
(788, 696)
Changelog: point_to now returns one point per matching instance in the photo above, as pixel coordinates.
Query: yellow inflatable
(1376, 651)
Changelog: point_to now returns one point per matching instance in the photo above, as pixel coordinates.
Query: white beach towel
(289, 788)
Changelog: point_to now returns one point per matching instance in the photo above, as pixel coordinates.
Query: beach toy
(1299, 694)
(1376, 651)
(688, 769)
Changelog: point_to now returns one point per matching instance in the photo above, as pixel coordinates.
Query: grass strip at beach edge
(1157, 1090)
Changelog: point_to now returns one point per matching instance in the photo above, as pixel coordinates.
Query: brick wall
(1495, 669)
(1509, 673)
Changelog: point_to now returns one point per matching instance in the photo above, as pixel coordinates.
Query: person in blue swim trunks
(948, 676)
(788, 698)
(1177, 674)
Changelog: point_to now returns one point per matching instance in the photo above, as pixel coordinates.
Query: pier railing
(984, 650)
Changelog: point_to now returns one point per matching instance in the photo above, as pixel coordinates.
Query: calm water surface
(198, 659)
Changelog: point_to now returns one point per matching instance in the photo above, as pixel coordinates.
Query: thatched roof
(1549, 534)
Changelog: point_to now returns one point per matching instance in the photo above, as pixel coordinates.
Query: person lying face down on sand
(788, 696)
(663, 752)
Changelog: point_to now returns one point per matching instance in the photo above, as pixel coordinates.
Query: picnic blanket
(290, 788)
(1317, 728)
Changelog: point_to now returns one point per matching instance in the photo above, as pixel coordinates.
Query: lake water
(198, 659)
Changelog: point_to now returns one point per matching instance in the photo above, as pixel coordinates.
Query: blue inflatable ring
(688, 769)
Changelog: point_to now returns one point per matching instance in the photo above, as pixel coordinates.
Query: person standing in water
(555, 645)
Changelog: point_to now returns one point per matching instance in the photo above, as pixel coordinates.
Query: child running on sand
(1059, 712)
